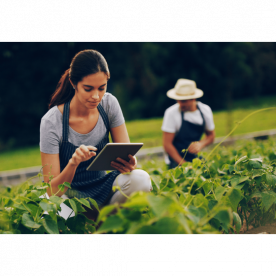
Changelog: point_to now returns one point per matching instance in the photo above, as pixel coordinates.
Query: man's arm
(170, 148)
(209, 138)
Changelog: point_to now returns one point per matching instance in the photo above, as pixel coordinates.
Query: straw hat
(185, 90)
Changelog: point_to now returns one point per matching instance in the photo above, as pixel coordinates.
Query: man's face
(187, 105)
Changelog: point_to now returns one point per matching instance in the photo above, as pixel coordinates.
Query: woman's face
(91, 89)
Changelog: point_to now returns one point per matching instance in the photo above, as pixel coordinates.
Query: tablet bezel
(133, 149)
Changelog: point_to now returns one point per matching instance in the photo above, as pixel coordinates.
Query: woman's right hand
(82, 153)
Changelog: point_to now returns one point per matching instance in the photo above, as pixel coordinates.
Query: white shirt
(172, 118)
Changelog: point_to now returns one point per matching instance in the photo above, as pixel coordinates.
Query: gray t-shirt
(51, 127)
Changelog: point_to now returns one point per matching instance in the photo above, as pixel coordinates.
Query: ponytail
(83, 64)
(64, 91)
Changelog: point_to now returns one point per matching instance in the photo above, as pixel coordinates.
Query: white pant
(137, 180)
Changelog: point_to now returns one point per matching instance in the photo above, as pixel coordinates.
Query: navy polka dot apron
(187, 134)
(94, 184)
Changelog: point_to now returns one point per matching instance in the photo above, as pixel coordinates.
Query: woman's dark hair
(84, 63)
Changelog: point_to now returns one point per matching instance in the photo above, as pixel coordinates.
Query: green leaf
(50, 225)
(237, 180)
(42, 188)
(178, 172)
(56, 200)
(169, 225)
(61, 187)
(270, 179)
(105, 211)
(237, 222)
(80, 221)
(219, 192)
(235, 197)
(155, 179)
(48, 206)
(19, 206)
(73, 206)
(146, 229)
(159, 204)
(223, 217)
(241, 159)
(252, 164)
(83, 202)
(32, 208)
(268, 198)
(131, 214)
(139, 202)
(184, 222)
(94, 203)
(207, 187)
(29, 222)
(113, 223)
(67, 184)
(231, 168)
(62, 224)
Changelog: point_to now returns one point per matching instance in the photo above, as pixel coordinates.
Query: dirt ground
(266, 229)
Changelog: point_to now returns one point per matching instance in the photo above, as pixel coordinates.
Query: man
(185, 122)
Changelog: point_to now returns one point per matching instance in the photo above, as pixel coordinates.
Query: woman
(77, 126)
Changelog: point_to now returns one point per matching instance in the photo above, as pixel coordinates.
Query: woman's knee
(140, 181)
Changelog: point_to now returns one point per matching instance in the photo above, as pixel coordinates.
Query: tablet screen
(111, 152)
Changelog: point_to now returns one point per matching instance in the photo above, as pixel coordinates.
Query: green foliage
(236, 186)
(24, 210)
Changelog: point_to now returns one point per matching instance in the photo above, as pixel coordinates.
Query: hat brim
(171, 94)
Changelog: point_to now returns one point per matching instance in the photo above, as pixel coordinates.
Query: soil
(266, 229)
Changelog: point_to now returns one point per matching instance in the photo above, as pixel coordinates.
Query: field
(230, 189)
(149, 131)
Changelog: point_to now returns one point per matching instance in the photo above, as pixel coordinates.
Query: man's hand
(195, 147)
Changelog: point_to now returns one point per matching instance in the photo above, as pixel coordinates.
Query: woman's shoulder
(108, 101)
(54, 114)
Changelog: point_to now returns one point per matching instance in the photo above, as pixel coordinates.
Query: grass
(149, 131)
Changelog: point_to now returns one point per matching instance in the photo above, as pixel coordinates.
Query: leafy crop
(206, 196)
(236, 187)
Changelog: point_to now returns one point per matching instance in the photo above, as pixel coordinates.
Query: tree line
(141, 74)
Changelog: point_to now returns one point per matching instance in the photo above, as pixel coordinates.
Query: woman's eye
(101, 89)
(87, 90)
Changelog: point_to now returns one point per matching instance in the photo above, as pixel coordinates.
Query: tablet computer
(111, 152)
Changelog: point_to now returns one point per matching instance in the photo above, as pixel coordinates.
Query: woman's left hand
(124, 166)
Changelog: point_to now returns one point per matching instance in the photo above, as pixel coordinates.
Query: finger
(132, 160)
(126, 164)
(85, 151)
(119, 167)
(79, 153)
(91, 148)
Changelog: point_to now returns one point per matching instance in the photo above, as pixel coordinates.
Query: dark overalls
(187, 134)
(94, 184)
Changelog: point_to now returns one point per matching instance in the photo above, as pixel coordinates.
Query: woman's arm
(51, 167)
(119, 135)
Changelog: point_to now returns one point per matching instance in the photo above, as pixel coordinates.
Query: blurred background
(236, 78)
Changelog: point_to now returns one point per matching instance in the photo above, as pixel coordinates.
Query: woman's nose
(95, 96)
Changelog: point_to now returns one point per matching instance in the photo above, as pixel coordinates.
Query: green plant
(25, 210)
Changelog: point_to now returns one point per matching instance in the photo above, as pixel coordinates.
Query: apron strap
(65, 121)
(104, 116)
(201, 115)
